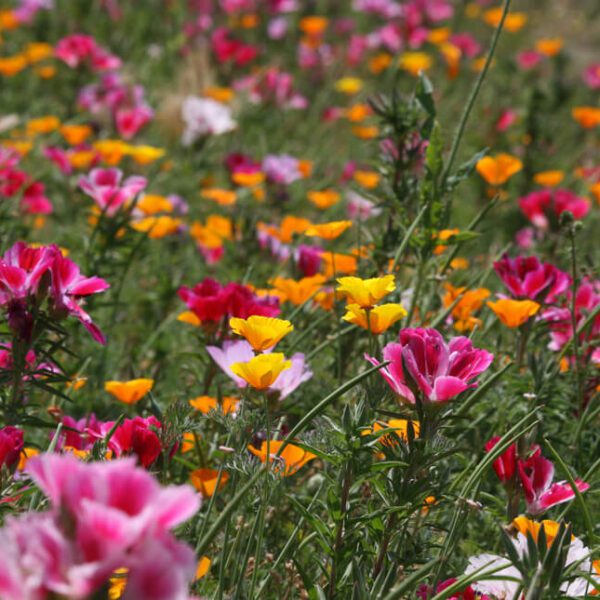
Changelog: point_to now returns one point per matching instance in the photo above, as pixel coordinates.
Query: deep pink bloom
(77, 49)
(308, 259)
(536, 474)
(130, 120)
(529, 59)
(591, 76)
(11, 444)
(427, 591)
(105, 187)
(542, 206)
(32, 369)
(34, 200)
(438, 370)
(468, 45)
(506, 464)
(507, 118)
(528, 277)
(81, 434)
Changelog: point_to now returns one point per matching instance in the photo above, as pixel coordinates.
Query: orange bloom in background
(8, 20)
(415, 62)
(26, 454)
(158, 227)
(525, 525)
(38, 51)
(459, 263)
(366, 292)
(325, 299)
(470, 302)
(323, 198)
(248, 179)
(111, 151)
(498, 169)
(334, 264)
(549, 46)
(12, 65)
(151, 204)
(203, 567)
(262, 371)
(378, 319)
(129, 392)
(368, 179)
(221, 196)
(205, 404)
(444, 236)
(189, 317)
(188, 441)
(290, 226)
(144, 155)
(291, 460)
(297, 291)
(205, 481)
(220, 94)
(452, 55)
(358, 113)
(365, 132)
(587, 116)
(117, 584)
(305, 167)
(45, 72)
(217, 230)
(514, 20)
(261, 332)
(82, 159)
(513, 313)
(328, 231)
(549, 178)
(399, 428)
(77, 383)
(42, 125)
(313, 26)
(75, 134)
(439, 35)
(380, 62)
(595, 189)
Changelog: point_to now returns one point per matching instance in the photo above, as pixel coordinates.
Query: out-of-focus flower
(261, 371)
(205, 481)
(415, 62)
(439, 370)
(544, 207)
(591, 76)
(360, 208)
(261, 332)
(323, 199)
(498, 169)
(468, 302)
(377, 319)
(328, 231)
(290, 379)
(129, 392)
(366, 292)
(549, 178)
(513, 313)
(202, 117)
(514, 20)
(298, 291)
(282, 169)
(205, 404)
(289, 462)
(231, 353)
(587, 116)
(11, 445)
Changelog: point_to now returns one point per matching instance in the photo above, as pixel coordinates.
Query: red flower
(506, 464)
(11, 444)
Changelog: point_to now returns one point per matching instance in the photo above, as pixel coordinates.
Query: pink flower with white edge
(536, 474)
(105, 187)
(232, 352)
(423, 360)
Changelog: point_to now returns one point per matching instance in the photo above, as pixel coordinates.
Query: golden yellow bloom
(151, 204)
(443, 236)
(328, 231)
(189, 317)
(549, 46)
(82, 159)
(368, 179)
(221, 196)
(323, 198)
(75, 134)
(117, 582)
(26, 454)
(379, 318)
(292, 457)
(440, 35)
(498, 169)
(42, 125)
(470, 302)
(549, 178)
(144, 155)
(513, 22)
(205, 481)
(220, 94)
(261, 332)
(203, 567)
(111, 151)
(157, 227)
(452, 55)
(460, 263)
(349, 85)
(513, 313)
(297, 291)
(524, 525)
(587, 116)
(38, 51)
(129, 392)
(207, 403)
(214, 233)
(334, 264)
(415, 62)
(262, 371)
(399, 427)
(366, 292)
(77, 383)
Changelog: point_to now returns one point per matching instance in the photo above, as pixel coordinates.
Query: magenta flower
(438, 370)
(528, 277)
(536, 474)
(544, 205)
(105, 187)
(77, 49)
(11, 444)
(506, 464)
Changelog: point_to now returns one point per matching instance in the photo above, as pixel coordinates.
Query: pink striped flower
(106, 189)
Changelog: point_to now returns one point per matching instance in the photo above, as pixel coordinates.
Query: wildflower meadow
(299, 299)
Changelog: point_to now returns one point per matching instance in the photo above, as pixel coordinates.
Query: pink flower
(282, 169)
(232, 352)
(129, 120)
(528, 277)
(506, 464)
(77, 49)
(105, 187)
(69, 286)
(359, 208)
(538, 206)
(506, 119)
(308, 259)
(290, 379)
(536, 474)
(34, 201)
(11, 444)
(529, 59)
(439, 371)
(591, 76)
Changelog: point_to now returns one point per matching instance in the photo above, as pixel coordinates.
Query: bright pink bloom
(77, 49)
(544, 205)
(528, 277)
(506, 464)
(130, 120)
(227, 49)
(591, 76)
(529, 59)
(81, 434)
(506, 119)
(468, 45)
(440, 371)
(105, 187)
(34, 200)
(536, 474)
(308, 259)
(11, 444)
(32, 370)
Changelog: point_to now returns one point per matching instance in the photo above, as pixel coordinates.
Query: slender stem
(576, 366)
(339, 537)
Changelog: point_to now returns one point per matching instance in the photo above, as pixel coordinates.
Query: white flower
(497, 588)
(203, 116)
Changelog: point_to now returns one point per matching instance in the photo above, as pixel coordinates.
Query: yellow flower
(292, 457)
(261, 332)
(587, 116)
(187, 316)
(220, 196)
(129, 392)
(38, 51)
(443, 236)
(513, 313)
(415, 62)
(328, 231)
(12, 65)
(26, 454)
(117, 584)
(379, 319)
(157, 227)
(42, 125)
(205, 481)
(298, 291)
(207, 403)
(470, 302)
(151, 204)
(349, 85)
(220, 94)
(248, 179)
(549, 178)
(366, 292)
(323, 198)
(111, 151)
(398, 426)
(513, 22)
(524, 525)
(334, 264)
(144, 155)
(498, 169)
(262, 371)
